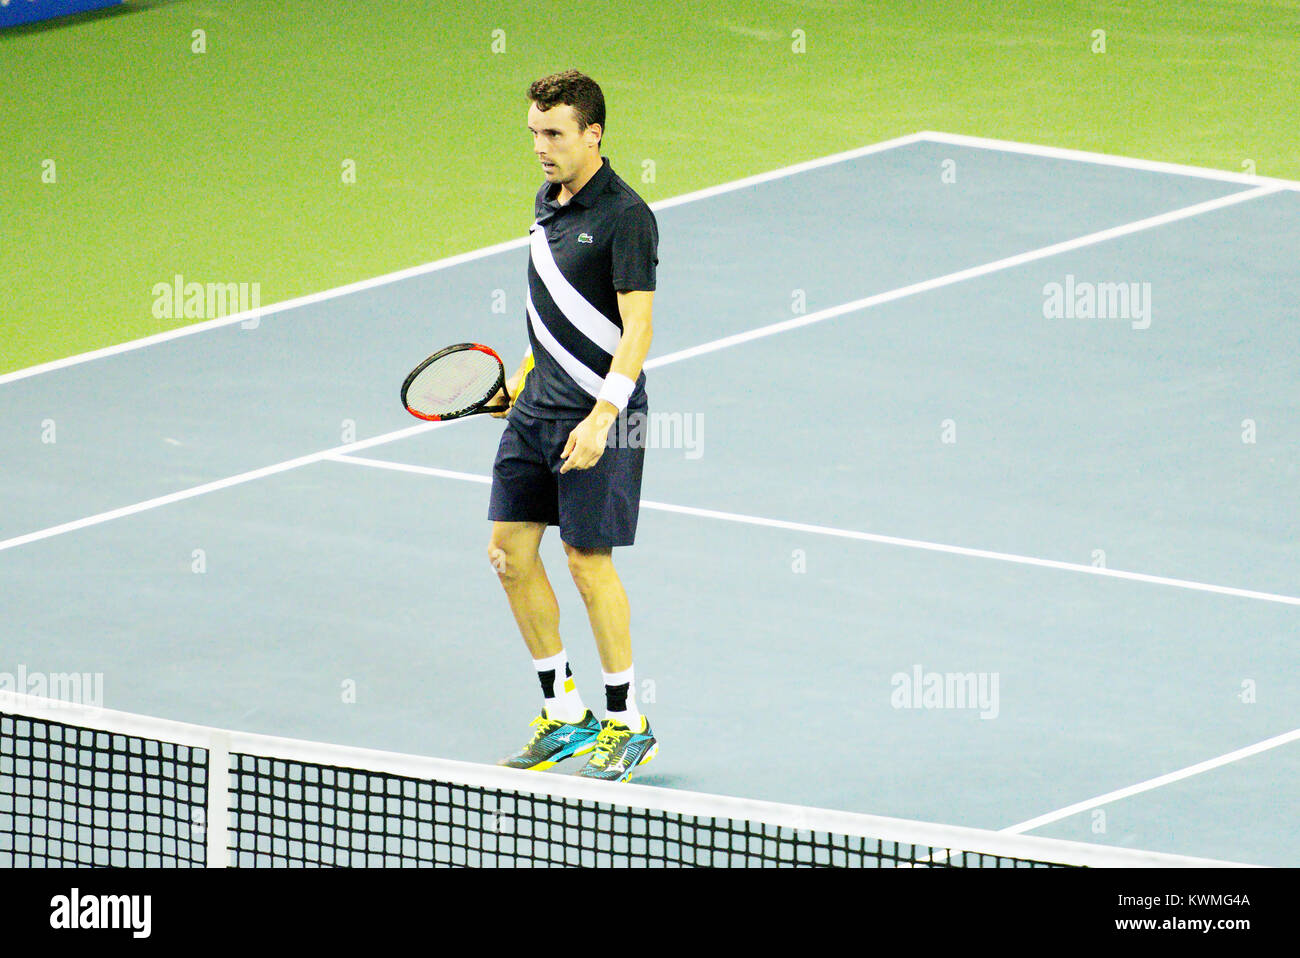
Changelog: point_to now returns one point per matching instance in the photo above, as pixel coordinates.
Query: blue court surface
(974, 502)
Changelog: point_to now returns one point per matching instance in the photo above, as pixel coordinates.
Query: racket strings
(454, 382)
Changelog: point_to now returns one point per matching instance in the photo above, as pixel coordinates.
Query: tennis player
(591, 281)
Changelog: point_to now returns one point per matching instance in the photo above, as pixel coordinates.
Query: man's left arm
(587, 441)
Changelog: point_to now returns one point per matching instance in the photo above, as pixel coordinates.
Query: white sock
(620, 689)
(563, 702)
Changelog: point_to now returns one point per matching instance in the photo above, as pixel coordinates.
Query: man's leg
(565, 728)
(513, 554)
(598, 510)
(602, 591)
(626, 740)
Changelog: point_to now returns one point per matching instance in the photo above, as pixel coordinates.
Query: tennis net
(83, 786)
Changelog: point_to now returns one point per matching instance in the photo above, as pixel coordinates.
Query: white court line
(866, 536)
(261, 312)
(217, 485)
(1107, 159)
(414, 470)
(440, 264)
(708, 347)
(1152, 783)
(965, 274)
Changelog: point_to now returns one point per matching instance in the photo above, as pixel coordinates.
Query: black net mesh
(80, 797)
(289, 813)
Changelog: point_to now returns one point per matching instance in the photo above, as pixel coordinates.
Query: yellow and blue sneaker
(554, 741)
(619, 750)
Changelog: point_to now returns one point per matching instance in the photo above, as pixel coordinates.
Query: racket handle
(505, 391)
(522, 379)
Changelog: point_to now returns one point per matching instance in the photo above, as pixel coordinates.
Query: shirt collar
(590, 190)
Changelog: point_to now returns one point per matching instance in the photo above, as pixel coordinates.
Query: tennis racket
(455, 382)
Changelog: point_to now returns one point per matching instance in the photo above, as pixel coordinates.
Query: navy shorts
(595, 508)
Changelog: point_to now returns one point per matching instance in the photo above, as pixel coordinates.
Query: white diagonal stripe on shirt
(577, 371)
(587, 319)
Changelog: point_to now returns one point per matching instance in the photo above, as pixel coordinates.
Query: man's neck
(569, 190)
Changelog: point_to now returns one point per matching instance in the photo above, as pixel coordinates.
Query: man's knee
(588, 567)
(511, 556)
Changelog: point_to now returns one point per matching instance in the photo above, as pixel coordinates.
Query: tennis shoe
(619, 751)
(554, 741)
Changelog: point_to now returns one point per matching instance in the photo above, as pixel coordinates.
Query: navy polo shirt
(581, 254)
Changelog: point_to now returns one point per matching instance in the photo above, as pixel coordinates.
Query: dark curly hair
(574, 89)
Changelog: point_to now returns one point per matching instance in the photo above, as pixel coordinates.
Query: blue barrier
(13, 12)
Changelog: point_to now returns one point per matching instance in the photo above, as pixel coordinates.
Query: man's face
(558, 143)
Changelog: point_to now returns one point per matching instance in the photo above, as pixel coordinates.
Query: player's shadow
(660, 781)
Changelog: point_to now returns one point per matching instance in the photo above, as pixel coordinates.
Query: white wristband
(617, 390)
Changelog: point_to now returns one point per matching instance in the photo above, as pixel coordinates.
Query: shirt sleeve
(635, 252)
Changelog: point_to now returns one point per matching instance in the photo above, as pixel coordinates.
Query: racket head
(454, 382)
